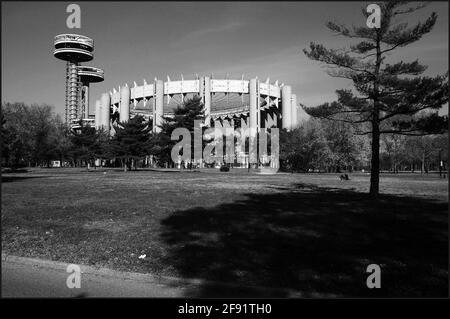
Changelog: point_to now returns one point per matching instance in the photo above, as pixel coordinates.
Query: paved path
(30, 277)
(25, 277)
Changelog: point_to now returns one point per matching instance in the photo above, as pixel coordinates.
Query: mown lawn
(311, 233)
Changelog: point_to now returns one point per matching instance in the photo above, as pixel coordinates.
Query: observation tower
(75, 49)
(88, 74)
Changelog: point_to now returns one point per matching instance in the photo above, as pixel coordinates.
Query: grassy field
(311, 233)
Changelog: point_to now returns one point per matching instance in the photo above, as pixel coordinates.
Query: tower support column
(73, 92)
(66, 118)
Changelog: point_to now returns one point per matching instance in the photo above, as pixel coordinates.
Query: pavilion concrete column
(105, 117)
(240, 147)
(159, 103)
(98, 106)
(254, 120)
(207, 99)
(286, 112)
(218, 124)
(124, 106)
(273, 119)
(226, 123)
(263, 118)
(267, 119)
(201, 88)
(244, 121)
(294, 118)
(104, 111)
(254, 107)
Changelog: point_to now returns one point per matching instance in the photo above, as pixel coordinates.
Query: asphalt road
(30, 280)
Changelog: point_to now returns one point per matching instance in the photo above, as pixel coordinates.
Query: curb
(143, 278)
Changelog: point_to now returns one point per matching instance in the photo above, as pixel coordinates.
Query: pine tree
(131, 140)
(84, 143)
(394, 92)
(184, 116)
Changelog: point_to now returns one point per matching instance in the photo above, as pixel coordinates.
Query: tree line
(32, 135)
(322, 145)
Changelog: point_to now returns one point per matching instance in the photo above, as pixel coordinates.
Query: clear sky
(137, 40)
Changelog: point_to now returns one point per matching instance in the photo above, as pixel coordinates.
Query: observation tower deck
(90, 74)
(73, 48)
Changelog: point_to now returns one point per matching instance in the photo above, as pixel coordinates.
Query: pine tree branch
(411, 68)
(341, 29)
(399, 132)
(409, 10)
(396, 37)
(331, 57)
(408, 133)
(410, 112)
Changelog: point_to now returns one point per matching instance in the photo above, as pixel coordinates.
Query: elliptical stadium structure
(229, 103)
(234, 103)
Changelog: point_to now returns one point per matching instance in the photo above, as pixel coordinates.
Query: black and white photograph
(200, 150)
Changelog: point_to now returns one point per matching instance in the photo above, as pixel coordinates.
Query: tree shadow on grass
(12, 178)
(315, 241)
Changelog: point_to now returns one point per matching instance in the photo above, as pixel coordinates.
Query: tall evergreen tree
(84, 144)
(184, 116)
(382, 91)
(131, 140)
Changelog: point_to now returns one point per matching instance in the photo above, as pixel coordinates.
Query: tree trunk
(422, 169)
(375, 161)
